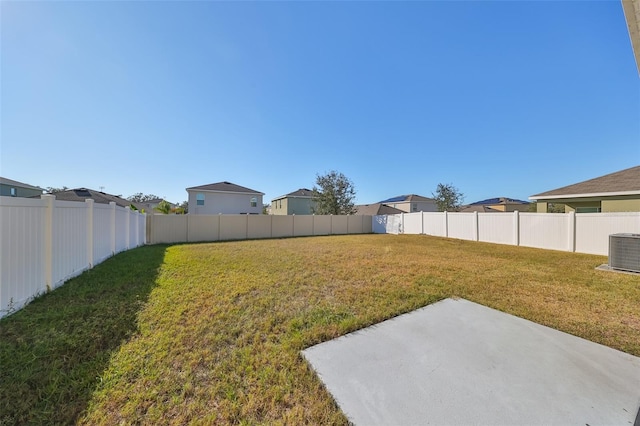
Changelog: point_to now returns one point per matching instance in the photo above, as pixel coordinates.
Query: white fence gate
(44, 242)
(582, 233)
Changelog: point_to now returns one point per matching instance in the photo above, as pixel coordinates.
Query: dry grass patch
(218, 339)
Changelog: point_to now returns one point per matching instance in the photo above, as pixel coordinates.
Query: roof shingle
(627, 180)
(224, 187)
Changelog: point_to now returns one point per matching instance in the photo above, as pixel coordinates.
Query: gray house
(296, 202)
(224, 198)
(13, 188)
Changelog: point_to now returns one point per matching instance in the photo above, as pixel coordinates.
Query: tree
(334, 194)
(52, 190)
(164, 207)
(142, 198)
(448, 197)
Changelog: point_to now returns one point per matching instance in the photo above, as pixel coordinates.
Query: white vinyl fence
(582, 233)
(193, 228)
(44, 242)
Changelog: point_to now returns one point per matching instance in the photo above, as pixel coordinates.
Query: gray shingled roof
(224, 187)
(376, 209)
(300, 193)
(406, 198)
(81, 194)
(627, 180)
(11, 182)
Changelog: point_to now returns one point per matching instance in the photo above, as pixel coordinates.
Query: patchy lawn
(212, 332)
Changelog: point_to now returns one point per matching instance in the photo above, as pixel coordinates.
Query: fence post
(572, 231)
(422, 222)
(401, 223)
(90, 255)
(446, 224)
(219, 224)
(49, 201)
(476, 230)
(313, 224)
(516, 228)
(330, 224)
(246, 228)
(113, 227)
(293, 225)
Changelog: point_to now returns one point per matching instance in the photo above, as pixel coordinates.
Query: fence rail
(44, 242)
(582, 233)
(195, 228)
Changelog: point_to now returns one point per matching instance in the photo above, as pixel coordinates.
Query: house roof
(81, 194)
(10, 182)
(406, 198)
(300, 193)
(376, 209)
(224, 187)
(478, 208)
(499, 200)
(624, 182)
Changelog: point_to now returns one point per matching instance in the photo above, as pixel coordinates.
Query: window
(254, 202)
(588, 210)
(414, 207)
(200, 199)
(13, 192)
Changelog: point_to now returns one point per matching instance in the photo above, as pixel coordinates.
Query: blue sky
(497, 98)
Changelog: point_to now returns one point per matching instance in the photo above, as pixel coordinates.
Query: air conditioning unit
(624, 252)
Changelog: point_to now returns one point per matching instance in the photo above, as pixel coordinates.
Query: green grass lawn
(211, 333)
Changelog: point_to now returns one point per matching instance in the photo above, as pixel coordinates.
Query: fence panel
(593, 230)
(45, 242)
(233, 227)
(357, 224)
(259, 226)
(102, 232)
(496, 227)
(133, 229)
(435, 224)
(302, 225)
(461, 226)
(121, 230)
(545, 230)
(412, 223)
(70, 254)
(22, 252)
(321, 225)
(196, 227)
(339, 225)
(387, 224)
(142, 229)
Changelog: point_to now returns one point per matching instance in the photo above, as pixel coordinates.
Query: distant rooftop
(11, 182)
(406, 198)
(376, 209)
(499, 200)
(81, 194)
(224, 187)
(300, 193)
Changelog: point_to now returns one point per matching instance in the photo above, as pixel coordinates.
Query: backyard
(212, 333)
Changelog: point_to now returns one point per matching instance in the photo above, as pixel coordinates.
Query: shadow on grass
(53, 351)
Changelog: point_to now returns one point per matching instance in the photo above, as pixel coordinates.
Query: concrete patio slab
(457, 362)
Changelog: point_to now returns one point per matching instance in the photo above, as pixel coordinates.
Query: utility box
(624, 252)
